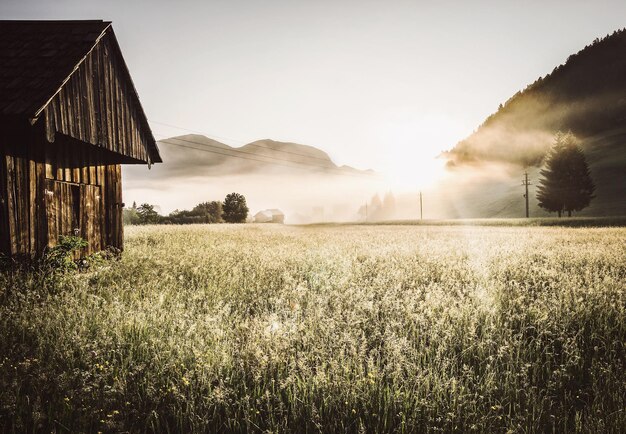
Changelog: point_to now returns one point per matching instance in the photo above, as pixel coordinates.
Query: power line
(239, 151)
(304, 166)
(239, 141)
(327, 168)
(197, 131)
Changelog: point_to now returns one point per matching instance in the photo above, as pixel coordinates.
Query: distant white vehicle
(269, 216)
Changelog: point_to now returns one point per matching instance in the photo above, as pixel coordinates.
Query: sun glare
(412, 147)
(415, 174)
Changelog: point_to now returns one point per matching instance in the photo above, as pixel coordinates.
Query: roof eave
(153, 151)
(155, 155)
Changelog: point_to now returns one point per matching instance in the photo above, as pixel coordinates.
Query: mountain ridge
(220, 159)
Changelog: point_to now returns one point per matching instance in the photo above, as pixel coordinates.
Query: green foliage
(212, 210)
(147, 214)
(61, 257)
(566, 184)
(235, 209)
(131, 216)
(205, 212)
(325, 329)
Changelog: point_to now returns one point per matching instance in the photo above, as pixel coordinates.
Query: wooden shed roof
(38, 57)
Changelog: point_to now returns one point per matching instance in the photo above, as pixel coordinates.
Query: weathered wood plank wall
(45, 191)
(94, 106)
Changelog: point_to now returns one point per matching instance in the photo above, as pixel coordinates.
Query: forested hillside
(586, 95)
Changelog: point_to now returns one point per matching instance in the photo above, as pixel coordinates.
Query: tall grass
(329, 329)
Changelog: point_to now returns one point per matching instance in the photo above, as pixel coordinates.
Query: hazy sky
(383, 85)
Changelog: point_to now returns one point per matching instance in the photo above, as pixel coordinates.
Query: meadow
(387, 328)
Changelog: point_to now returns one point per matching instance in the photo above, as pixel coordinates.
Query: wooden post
(526, 183)
(421, 208)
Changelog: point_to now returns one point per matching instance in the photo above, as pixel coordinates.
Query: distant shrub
(205, 212)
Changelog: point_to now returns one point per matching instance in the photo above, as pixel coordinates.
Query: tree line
(377, 209)
(232, 210)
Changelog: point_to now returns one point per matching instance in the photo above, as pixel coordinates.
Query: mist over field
(477, 188)
(301, 194)
(300, 180)
(480, 176)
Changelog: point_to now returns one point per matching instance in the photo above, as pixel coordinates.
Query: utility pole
(421, 208)
(526, 183)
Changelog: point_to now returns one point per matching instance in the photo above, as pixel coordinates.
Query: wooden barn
(69, 117)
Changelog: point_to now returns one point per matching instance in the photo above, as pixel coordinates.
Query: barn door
(62, 210)
(73, 209)
(90, 217)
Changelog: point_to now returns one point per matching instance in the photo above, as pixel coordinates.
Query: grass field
(331, 328)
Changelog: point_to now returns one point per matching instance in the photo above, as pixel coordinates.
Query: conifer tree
(566, 184)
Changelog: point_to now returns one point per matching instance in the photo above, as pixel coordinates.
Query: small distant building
(269, 216)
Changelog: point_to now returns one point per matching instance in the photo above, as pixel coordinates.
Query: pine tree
(566, 184)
